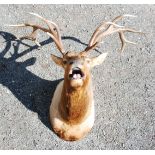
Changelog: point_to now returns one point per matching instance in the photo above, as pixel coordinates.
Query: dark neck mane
(75, 103)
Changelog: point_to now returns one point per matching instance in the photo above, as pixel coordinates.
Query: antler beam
(52, 30)
(107, 28)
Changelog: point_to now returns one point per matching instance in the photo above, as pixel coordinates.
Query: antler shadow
(32, 91)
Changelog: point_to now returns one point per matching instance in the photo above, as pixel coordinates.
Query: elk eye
(64, 61)
(71, 62)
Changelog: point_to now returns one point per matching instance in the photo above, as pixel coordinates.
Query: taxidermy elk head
(72, 108)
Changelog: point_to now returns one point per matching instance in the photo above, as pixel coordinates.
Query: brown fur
(64, 129)
(62, 134)
(74, 103)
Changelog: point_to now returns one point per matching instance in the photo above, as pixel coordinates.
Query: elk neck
(75, 103)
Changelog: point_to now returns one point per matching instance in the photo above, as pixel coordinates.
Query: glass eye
(71, 62)
(64, 61)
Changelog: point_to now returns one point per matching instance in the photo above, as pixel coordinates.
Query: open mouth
(76, 74)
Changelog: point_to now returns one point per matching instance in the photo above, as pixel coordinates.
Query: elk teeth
(78, 76)
(75, 76)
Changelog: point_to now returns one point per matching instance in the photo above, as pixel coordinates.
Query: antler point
(128, 15)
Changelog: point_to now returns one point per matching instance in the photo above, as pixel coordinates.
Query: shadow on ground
(32, 91)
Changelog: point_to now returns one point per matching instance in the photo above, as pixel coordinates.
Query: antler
(52, 30)
(107, 28)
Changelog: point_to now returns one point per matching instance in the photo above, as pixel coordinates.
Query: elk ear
(98, 60)
(57, 60)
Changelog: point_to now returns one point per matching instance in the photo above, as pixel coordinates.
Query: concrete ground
(124, 85)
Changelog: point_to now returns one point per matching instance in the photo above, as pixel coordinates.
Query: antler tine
(33, 34)
(121, 35)
(107, 28)
(122, 16)
(53, 32)
(99, 29)
(102, 26)
(55, 36)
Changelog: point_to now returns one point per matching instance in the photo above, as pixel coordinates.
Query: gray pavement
(124, 85)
